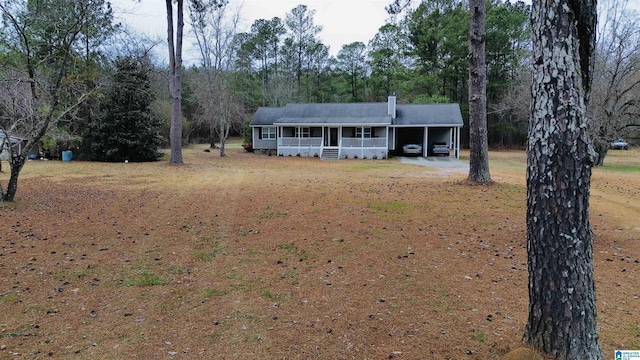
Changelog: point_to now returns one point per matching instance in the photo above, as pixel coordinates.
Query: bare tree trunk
(223, 120)
(560, 156)
(12, 186)
(1, 149)
(602, 148)
(479, 153)
(223, 138)
(175, 80)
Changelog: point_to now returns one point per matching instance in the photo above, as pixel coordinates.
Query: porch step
(330, 154)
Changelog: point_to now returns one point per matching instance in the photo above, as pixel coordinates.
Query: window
(367, 132)
(268, 133)
(302, 132)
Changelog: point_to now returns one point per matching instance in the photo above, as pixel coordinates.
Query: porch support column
(386, 135)
(392, 139)
(361, 142)
(322, 141)
(278, 139)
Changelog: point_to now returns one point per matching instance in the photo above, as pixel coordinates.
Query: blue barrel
(67, 155)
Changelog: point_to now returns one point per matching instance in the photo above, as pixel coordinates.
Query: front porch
(333, 142)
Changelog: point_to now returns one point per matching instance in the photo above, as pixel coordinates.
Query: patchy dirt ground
(258, 257)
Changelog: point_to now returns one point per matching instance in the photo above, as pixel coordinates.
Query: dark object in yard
(248, 147)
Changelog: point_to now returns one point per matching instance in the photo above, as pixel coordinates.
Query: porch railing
(294, 141)
(364, 142)
(346, 142)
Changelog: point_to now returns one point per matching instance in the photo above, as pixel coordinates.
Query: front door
(331, 137)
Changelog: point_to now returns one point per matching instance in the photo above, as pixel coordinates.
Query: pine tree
(126, 130)
(560, 155)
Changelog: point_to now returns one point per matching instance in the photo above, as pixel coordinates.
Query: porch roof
(344, 121)
(336, 110)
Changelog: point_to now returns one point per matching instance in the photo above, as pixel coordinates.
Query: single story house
(355, 130)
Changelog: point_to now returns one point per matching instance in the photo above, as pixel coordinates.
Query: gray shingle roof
(335, 120)
(333, 110)
(428, 114)
(267, 115)
(359, 113)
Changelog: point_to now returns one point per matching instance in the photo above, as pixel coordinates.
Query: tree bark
(16, 163)
(175, 79)
(1, 149)
(222, 146)
(602, 148)
(562, 305)
(479, 152)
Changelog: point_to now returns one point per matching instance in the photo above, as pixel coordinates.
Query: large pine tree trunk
(479, 153)
(562, 305)
(175, 80)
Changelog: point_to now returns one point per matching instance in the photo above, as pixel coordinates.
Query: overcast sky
(342, 21)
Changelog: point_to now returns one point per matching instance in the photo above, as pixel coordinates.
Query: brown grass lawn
(258, 257)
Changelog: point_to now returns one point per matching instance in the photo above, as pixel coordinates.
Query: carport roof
(429, 114)
(359, 114)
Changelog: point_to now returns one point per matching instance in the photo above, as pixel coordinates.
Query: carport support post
(425, 143)
(457, 152)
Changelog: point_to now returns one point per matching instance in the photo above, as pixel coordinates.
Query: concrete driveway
(449, 163)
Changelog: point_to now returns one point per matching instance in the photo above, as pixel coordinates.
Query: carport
(414, 125)
(409, 135)
(440, 135)
(427, 136)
